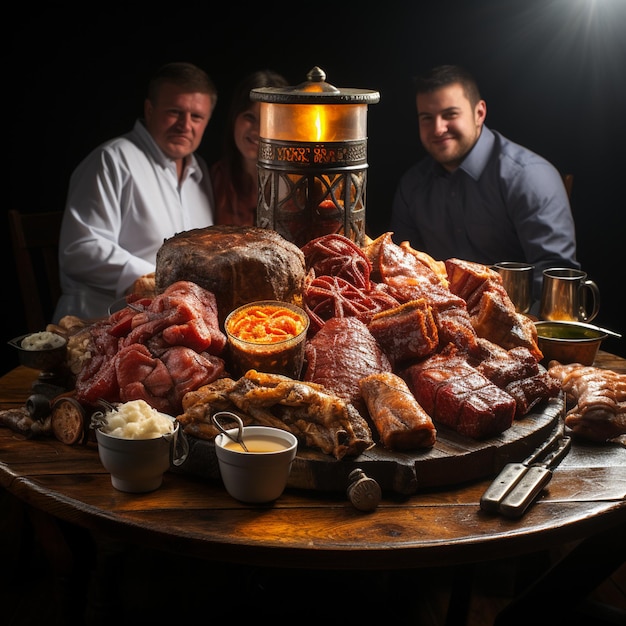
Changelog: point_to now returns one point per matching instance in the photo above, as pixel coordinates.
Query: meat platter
(452, 460)
(468, 363)
(345, 348)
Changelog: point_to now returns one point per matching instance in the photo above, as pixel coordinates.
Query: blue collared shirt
(504, 203)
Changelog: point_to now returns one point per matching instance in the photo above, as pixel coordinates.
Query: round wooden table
(305, 528)
(314, 531)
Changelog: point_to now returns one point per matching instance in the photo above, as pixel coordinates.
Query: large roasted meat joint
(237, 265)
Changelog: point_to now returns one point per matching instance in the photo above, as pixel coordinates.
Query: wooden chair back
(35, 238)
(568, 181)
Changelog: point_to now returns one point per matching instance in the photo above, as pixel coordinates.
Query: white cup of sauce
(259, 474)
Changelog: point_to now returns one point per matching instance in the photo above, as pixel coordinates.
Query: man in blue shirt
(478, 196)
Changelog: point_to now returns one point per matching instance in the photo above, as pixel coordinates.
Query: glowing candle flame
(314, 123)
(318, 125)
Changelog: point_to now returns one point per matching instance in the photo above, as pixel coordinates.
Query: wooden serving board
(452, 460)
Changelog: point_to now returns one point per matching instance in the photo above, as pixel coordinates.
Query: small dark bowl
(47, 360)
(568, 342)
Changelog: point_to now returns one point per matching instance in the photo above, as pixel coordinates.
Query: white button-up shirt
(124, 200)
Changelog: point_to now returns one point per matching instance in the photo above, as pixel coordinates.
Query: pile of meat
(454, 337)
(407, 341)
(398, 342)
(156, 349)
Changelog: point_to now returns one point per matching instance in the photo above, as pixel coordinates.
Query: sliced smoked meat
(342, 352)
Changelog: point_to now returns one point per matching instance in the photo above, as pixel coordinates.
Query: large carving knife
(537, 476)
(511, 474)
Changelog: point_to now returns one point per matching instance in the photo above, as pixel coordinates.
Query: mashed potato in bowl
(137, 420)
(42, 341)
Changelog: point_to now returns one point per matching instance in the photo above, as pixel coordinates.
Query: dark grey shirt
(504, 203)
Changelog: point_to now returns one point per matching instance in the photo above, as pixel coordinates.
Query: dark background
(553, 73)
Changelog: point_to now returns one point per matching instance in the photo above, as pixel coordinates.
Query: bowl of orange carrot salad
(268, 336)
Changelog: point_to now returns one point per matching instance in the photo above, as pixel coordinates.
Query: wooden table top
(309, 529)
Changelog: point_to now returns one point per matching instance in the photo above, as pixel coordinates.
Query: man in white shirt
(135, 191)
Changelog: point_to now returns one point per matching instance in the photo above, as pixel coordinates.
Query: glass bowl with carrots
(267, 336)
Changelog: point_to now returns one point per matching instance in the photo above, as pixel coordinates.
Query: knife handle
(502, 484)
(527, 489)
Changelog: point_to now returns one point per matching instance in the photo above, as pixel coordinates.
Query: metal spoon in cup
(98, 418)
(239, 438)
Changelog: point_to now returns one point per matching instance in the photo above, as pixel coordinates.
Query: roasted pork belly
(406, 332)
(491, 311)
(503, 366)
(530, 391)
(456, 394)
(517, 372)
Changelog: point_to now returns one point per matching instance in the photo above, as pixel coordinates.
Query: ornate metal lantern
(312, 163)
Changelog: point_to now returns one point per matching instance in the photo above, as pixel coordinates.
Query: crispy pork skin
(237, 264)
(319, 419)
(491, 311)
(406, 332)
(401, 422)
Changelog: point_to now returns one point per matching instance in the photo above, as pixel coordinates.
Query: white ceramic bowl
(256, 476)
(138, 465)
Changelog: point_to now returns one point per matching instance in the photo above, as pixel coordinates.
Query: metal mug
(517, 280)
(568, 294)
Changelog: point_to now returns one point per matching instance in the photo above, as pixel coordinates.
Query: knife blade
(532, 483)
(511, 474)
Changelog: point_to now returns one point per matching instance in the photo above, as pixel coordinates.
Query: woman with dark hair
(234, 175)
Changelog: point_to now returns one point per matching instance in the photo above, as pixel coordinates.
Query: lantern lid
(315, 90)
